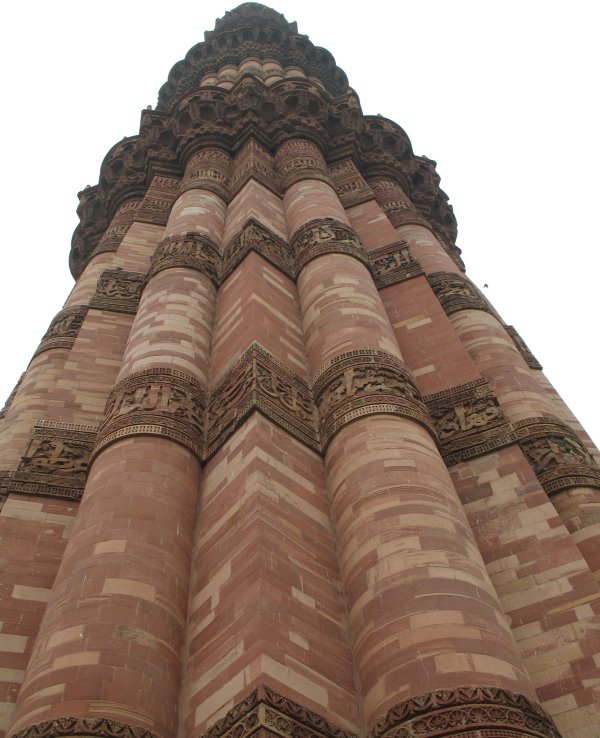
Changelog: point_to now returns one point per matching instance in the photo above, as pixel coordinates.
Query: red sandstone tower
(277, 467)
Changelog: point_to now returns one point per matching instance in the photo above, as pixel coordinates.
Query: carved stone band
(255, 237)
(191, 250)
(468, 421)
(56, 461)
(456, 292)
(556, 454)
(465, 713)
(365, 382)
(392, 264)
(522, 348)
(163, 402)
(100, 727)
(326, 236)
(118, 291)
(63, 329)
(265, 711)
(258, 381)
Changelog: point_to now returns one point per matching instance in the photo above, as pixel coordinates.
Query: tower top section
(251, 30)
(253, 79)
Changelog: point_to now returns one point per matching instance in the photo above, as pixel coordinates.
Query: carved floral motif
(77, 726)
(556, 454)
(466, 712)
(365, 382)
(162, 402)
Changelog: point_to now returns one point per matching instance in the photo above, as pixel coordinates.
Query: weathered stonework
(361, 383)
(11, 397)
(468, 421)
(163, 402)
(286, 442)
(56, 461)
(557, 456)
(259, 382)
(118, 291)
(63, 329)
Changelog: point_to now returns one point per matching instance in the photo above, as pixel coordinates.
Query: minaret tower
(278, 468)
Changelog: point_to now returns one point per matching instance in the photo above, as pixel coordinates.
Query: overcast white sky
(503, 95)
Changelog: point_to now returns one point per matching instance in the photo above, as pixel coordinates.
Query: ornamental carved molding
(522, 348)
(556, 455)
(63, 329)
(392, 264)
(326, 236)
(119, 225)
(158, 200)
(118, 291)
(456, 292)
(266, 711)
(255, 237)
(254, 162)
(365, 382)
(350, 186)
(56, 461)
(77, 726)
(11, 397)
(189, 250)
(300, 159)
(163, 402)
(466, 712)
(468, 421)
(257, 381)
(208, 169)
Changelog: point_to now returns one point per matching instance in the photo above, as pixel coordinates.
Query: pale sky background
(503, 95)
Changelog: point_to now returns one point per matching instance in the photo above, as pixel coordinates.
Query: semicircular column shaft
(109, 645)
(423, 613)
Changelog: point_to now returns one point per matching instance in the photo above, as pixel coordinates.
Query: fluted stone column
(423, 614)
(109, 645)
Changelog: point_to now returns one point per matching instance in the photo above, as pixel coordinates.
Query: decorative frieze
(158, 200)
(365, 382)
(63, 329)
(266, 711)
(326, 236)
(56, 461)
(255, 237)
(299, 159)
(258, 381)
(468, 421)
(254, 162)
(392, 264)
(119, 225)
(208, 169)
(556, 454)
(466, 712)
(12, 396)
(118, 291)
(349, 184)
(78, 726)
(163, 402)
(189, 250)
(522, 348)
(456, 292)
